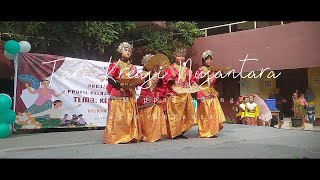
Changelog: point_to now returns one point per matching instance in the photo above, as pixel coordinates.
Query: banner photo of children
(55, 91)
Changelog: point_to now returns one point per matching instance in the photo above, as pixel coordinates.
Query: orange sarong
(208, 123)
(219, 112)
(152, 122)
(210, 117)
(122, 124)
(180, 114)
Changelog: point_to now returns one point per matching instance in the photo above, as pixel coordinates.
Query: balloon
(8, 55)
(12, 46)
(4, 130)
(25, 46)
(5, 102)
(8, 116)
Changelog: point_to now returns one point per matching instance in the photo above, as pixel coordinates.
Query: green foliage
(158, 41)
(49, 123)
(187, 32)
(90, 38)
(76, 37)
(179, 34)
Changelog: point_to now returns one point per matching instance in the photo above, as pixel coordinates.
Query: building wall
(288, 46)
(265, 89)
(249, 86)
(261, 86)
(314, 75)
(257, 86)
(279, 47)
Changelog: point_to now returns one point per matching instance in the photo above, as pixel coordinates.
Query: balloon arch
(7, 115)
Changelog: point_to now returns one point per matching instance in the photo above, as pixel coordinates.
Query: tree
(179, 34)
(85, 39)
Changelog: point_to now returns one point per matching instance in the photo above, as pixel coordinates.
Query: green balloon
(12, 47)
(4, 130)
(5, 102)
(7, 117)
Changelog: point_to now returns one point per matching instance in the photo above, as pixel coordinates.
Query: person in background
(243, 108)
(311, 117)
(295, 104)
(251, 113)
(265, 116)
(299, 110)
(237, 110)
(280, 101)
(303, 108)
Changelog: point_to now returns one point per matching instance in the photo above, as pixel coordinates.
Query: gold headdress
(180, 52)
(206, 53)
(122, 46)
(146, 58)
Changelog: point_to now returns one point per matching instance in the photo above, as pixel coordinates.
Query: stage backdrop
(55, 91)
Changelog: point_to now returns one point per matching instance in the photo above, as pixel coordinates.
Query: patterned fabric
(116, 70)
(249, 121)
(45, 94)
(209, 111)
(180, 114)
(208, 121)
(252, 110)
(299, 110)
(149, 94)
(182, 71)
(219, 112)
(207, 86)
(34, 109)
(122, 122)
(182, 78)
(152, 121)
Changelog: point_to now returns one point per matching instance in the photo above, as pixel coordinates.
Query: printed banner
(55, 91)
(267, 84)
(316, 81)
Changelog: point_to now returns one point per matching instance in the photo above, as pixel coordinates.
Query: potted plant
(296, 121)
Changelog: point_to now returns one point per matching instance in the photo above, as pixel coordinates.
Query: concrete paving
(234, 141)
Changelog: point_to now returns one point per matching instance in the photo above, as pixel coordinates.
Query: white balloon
(10, 126)
(8, 55)
(25, 46)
